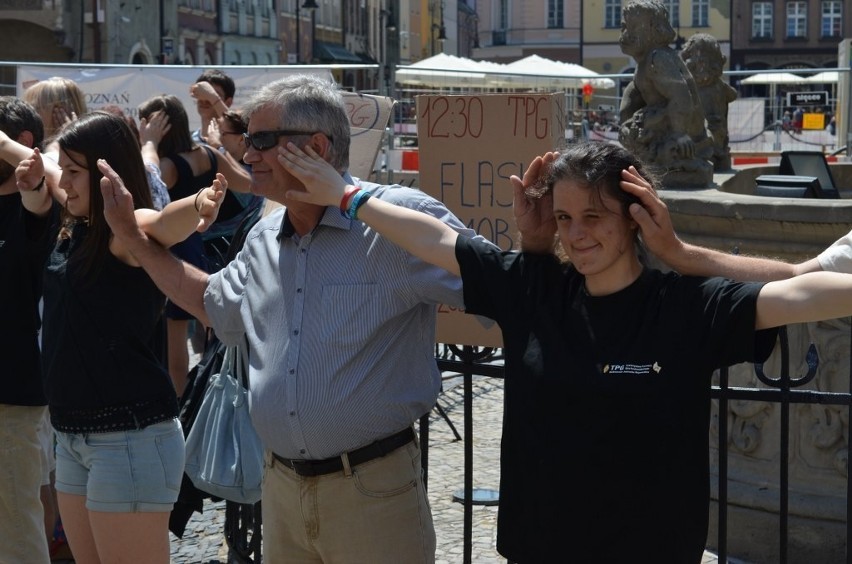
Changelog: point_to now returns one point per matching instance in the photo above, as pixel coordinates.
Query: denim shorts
(125, 471)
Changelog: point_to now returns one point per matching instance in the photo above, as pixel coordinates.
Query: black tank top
(102, 344)
(187, 185)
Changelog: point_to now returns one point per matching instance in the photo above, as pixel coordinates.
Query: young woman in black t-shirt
(608, 362)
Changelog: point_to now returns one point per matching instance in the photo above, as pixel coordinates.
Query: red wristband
(347, 197)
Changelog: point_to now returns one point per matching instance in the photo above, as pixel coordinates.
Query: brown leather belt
(358, 456)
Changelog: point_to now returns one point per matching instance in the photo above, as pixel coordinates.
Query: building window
(832, 16)
(761, 20)
(673, 6)
(797, 19)
(700, 13)
(555, 14)
(503, 15)
(612, 13)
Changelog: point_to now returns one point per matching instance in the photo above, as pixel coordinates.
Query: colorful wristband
(347, 198)
(353, 204)
(356, 205)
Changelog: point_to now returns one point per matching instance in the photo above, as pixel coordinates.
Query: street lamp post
(386, 58)
(307, 5)
(442, 36)
(441, 29)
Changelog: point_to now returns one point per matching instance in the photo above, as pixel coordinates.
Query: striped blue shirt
(340, 325)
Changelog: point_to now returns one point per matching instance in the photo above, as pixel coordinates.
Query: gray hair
(307, 103)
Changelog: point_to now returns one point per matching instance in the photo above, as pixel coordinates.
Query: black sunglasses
(264, 140)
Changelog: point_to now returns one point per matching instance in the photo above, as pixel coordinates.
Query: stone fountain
(729, 217)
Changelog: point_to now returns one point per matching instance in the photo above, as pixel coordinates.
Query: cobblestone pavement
(203, 541)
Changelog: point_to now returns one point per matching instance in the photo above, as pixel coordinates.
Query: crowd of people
(334, 294)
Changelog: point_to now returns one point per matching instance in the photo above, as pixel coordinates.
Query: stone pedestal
(732, 219)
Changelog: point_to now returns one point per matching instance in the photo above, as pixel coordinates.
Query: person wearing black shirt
(608, 361)
(24, 245)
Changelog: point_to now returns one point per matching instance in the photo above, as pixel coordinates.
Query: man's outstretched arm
(181, 282)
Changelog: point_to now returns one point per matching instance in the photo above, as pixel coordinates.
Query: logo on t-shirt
(632, 368)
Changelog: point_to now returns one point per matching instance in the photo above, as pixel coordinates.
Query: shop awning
(367, 59)
(333, 53)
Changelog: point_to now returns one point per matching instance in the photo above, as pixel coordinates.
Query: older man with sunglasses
(341, 330)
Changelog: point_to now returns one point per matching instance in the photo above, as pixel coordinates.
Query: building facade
(776, 34)
(510, 30)
(602, 29)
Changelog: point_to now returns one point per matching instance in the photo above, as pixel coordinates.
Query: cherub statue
(705, 61)
(662, 121)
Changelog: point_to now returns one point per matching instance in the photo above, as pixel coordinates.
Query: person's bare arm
(205, 91)
(239, 179)
(813, 296)
(181, 282)
(180, 218)
(659, 236)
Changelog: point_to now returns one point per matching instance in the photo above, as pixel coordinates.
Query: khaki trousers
(22, 535)
(375, 513)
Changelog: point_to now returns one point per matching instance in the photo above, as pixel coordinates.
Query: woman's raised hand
(29, 172)
(532, 205)
(208, 201)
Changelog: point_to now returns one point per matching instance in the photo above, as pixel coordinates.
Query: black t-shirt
(24, 246)
(607, 404)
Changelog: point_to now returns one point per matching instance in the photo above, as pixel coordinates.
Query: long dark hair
(100, 135)
(178, 139)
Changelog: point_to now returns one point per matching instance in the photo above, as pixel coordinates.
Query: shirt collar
(331, 217)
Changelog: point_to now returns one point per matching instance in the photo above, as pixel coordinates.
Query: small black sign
(807, 98)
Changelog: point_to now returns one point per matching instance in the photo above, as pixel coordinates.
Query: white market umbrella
(825, 77)
(539, 72)
(442, 70)
(774, 78)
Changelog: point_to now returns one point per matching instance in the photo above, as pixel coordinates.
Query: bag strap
(241, 361)
(229, 362)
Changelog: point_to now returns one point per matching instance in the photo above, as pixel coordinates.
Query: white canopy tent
(774, 78)
(531, 72)
(442, 70)
(825, 77)
(535, 71)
